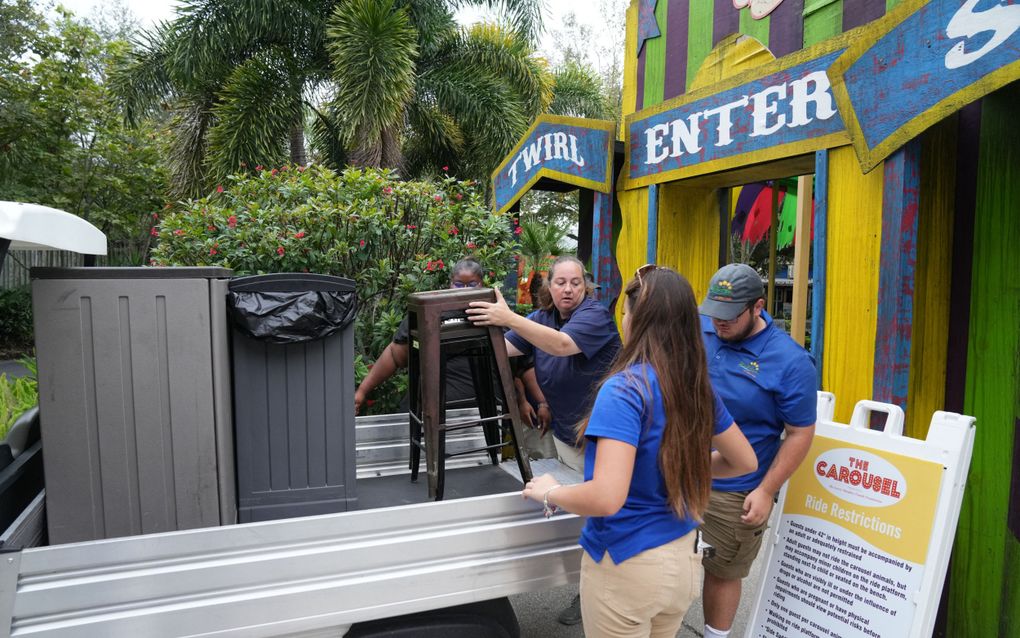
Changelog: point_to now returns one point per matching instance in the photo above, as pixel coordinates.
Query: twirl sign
(571, 150)
(782, 109)
(920, 63)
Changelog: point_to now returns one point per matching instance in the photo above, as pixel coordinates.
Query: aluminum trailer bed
(306, 577)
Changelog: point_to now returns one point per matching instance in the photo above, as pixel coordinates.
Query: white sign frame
(950, 441)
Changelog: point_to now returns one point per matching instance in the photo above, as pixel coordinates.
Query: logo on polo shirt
(752, 368)
(722, 290)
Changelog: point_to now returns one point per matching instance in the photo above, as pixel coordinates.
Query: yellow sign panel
(886, 499)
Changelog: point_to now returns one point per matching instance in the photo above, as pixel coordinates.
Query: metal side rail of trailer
(305, 577)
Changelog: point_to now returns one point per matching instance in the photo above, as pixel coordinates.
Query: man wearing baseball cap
(768, 383)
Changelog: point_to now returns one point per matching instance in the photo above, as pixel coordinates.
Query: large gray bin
(134, 400)
(294, 407)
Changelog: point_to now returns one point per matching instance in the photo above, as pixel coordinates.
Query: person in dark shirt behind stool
(574, 343)
(460, 389)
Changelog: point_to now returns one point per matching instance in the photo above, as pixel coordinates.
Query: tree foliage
(63, 142)
(383, 83)
(394, 237)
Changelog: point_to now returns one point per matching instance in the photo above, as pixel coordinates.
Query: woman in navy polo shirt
(648, 466)
(574, 343)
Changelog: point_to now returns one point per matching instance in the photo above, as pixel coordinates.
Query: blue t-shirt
(767, 381)
(625, 411)
(569, 383)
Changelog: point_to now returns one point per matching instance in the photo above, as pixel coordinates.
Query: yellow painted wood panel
(734, 55)
(630, 63)
(632, 243)
(689, 233)
(851, 297)
(929, 338)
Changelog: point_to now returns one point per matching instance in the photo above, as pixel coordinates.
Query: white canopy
(35, 227)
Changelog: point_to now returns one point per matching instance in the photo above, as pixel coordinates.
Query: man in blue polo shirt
(768, 383)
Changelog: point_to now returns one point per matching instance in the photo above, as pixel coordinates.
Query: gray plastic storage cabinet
(293, 394)
(134, 400)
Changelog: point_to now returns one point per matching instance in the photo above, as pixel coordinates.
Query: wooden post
(770, 303)
(801, 257)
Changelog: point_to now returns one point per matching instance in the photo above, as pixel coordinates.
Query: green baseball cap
(731, 289)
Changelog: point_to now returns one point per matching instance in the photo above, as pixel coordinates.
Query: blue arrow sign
(922, 62)
(570, 150)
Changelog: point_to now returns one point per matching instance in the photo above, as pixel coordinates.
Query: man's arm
(793, 449)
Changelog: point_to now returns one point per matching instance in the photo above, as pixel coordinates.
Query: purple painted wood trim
(602, 253)
(1013, 519)
(725, 20)
(677, 20)
(900, 195)
(967, 156)
(858, 12)
(786, 28)
(639, 100)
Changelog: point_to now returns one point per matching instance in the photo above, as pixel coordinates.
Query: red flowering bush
(391, 237)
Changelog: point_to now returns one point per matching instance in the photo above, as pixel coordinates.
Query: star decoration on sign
(648, 26)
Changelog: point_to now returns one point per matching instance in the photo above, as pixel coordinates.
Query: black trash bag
(292, 317)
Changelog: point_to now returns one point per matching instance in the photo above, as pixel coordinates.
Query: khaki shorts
(736, 544)
(644, 596)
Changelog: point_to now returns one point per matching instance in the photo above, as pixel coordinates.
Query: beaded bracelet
(547, 509)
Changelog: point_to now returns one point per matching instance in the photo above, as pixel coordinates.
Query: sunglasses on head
(644, 270)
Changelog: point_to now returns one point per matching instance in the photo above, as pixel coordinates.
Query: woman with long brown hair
(649, 462)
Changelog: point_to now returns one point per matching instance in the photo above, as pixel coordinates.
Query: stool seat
(438, 328)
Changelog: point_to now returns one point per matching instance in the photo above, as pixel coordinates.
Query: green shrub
(17, 395)
(391, 237)
(16, 333)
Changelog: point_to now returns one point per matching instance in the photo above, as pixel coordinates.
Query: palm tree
(538, 243)
(392, 83)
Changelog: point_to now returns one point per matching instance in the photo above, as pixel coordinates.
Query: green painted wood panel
(699, 35)
(983, 596)
(757, 29)
(655, 60)
(823, 19)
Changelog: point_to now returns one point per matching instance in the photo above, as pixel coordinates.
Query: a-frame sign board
(864, 528)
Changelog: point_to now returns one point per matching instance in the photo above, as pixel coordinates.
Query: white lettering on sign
(556, 145)
(1002, 20)
(759, 8)
(683, 135)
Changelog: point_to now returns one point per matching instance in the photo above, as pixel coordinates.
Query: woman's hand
(485, 313)
(536, 488)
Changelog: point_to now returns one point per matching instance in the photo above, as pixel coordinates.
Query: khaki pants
(537, 446)
(646, 595)
(572, 457)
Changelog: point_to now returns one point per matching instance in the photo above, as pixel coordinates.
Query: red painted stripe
(677, 21)
(786, 28)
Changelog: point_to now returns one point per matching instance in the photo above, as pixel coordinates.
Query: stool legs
(431, 410)
(481, 371)
(511, 408)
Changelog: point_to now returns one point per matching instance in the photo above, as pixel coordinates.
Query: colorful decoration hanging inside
(648, 26)
(759, 8)
(752, 216)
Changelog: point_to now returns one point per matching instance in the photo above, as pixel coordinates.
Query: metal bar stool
(438, 328)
